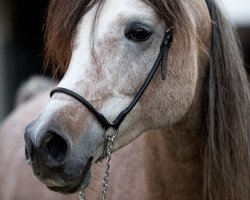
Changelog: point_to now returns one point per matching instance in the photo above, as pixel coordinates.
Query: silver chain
(109, 139)
(105, 181)
(81, 195)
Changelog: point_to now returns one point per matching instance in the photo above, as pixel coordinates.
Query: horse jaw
(110, 74)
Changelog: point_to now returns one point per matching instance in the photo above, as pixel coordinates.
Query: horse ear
(167, 42)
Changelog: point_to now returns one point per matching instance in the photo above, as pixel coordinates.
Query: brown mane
(226, 142)
(226, 139)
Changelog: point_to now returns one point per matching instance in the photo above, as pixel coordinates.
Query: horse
(197, 113)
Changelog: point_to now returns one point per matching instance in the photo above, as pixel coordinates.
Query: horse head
(106, 50)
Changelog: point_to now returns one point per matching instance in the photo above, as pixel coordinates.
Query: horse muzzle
(50, 156)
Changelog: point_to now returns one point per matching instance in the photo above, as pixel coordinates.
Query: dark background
(21, 54)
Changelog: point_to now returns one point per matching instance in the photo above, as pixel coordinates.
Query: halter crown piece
(109, 138)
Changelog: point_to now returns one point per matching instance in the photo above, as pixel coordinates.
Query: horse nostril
(55, 149)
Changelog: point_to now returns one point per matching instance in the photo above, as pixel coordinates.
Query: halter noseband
(162, 58)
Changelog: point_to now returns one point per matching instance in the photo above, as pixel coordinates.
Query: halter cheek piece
(161, 59)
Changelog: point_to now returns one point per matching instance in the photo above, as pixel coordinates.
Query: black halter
(162, 58)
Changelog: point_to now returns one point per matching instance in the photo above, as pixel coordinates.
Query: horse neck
(173, 164)
(173, 159)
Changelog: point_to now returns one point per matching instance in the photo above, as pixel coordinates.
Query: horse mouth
(82, 182)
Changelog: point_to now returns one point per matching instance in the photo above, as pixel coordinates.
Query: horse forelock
(61, 26)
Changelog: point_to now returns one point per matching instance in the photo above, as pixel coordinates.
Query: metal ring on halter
(113, 134)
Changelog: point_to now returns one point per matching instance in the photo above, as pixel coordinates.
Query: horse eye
(138, 34)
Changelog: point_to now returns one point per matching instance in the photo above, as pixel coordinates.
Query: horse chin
(73, 186)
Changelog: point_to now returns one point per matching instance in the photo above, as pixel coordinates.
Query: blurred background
(21, 40)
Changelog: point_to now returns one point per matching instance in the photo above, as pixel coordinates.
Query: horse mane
(226, 139)
(225, 135)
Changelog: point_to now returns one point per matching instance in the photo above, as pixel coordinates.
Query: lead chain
(81, 195)
(109, 146)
